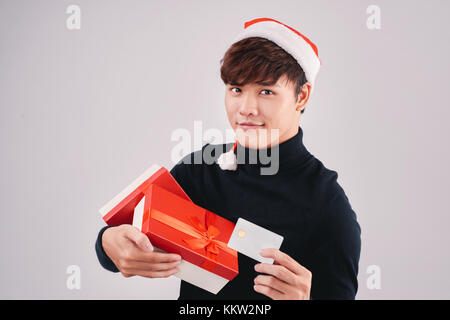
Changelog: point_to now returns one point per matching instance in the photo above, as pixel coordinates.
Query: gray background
(84, 112)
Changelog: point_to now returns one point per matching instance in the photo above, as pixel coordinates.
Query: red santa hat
(290, 40)
(303, 50)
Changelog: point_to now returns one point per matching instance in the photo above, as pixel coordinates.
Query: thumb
(140, 239)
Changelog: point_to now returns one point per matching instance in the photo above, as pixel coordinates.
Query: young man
(269, 73)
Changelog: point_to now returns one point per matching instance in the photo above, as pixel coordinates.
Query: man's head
(264, 85)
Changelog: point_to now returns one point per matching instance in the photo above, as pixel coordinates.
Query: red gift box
(177, 225)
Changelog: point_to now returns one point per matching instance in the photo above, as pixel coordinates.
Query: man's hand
(132, 253)
(286, 279)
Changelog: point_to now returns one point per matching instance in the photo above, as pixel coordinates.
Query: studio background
(86, 111)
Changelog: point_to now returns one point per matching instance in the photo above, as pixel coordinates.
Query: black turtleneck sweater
(303, 202)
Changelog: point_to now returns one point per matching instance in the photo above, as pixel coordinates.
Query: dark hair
(259, 60)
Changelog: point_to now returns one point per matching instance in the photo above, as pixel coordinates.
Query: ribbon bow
(203, 233)
(207, 236)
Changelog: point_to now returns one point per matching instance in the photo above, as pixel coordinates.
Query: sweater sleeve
(104, 260)
(335, 261)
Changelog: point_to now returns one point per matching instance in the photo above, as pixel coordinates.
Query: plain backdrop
(84, 112)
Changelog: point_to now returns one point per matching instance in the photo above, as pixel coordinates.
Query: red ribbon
(203, 234)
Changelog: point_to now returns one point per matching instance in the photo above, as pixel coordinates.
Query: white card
(249, 238)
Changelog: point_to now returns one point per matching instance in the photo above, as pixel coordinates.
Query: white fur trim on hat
(228, 160)
(289, 39)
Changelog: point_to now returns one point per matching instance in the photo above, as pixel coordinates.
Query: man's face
(273, 109)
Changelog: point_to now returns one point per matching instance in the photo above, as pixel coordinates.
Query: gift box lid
(120, 209)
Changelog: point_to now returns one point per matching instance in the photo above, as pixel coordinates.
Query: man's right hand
(132, 253)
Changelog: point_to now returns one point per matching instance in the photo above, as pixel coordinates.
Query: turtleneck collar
(291, 153)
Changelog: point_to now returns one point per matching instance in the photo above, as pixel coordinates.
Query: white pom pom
(227, 161)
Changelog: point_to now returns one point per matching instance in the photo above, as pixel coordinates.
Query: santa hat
(303, 50)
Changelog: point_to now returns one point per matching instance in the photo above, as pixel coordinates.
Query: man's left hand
(286, 279)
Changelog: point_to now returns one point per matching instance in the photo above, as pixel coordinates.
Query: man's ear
(303, 96)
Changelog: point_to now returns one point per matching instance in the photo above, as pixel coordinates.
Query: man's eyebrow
(268, 84)
(265, 84)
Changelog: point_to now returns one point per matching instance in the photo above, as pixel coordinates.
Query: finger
(155, 257)
(127, 275)
(274, 283)
(165, 266)
(268, 291)
(278, 271)
(140, 239)
(157, 274)
(284, 260)
(147, 266)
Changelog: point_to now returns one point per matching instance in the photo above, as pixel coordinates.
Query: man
(269, 73)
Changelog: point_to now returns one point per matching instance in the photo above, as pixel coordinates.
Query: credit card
(249, 238)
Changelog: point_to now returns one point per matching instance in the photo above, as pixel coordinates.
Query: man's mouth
(249, 125)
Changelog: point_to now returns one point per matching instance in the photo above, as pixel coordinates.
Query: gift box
(176, 225)
(157, 205)
(206, 264)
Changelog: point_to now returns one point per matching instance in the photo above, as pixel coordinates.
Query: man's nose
(248, 105)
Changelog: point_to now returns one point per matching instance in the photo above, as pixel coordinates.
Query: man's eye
(270, 92)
